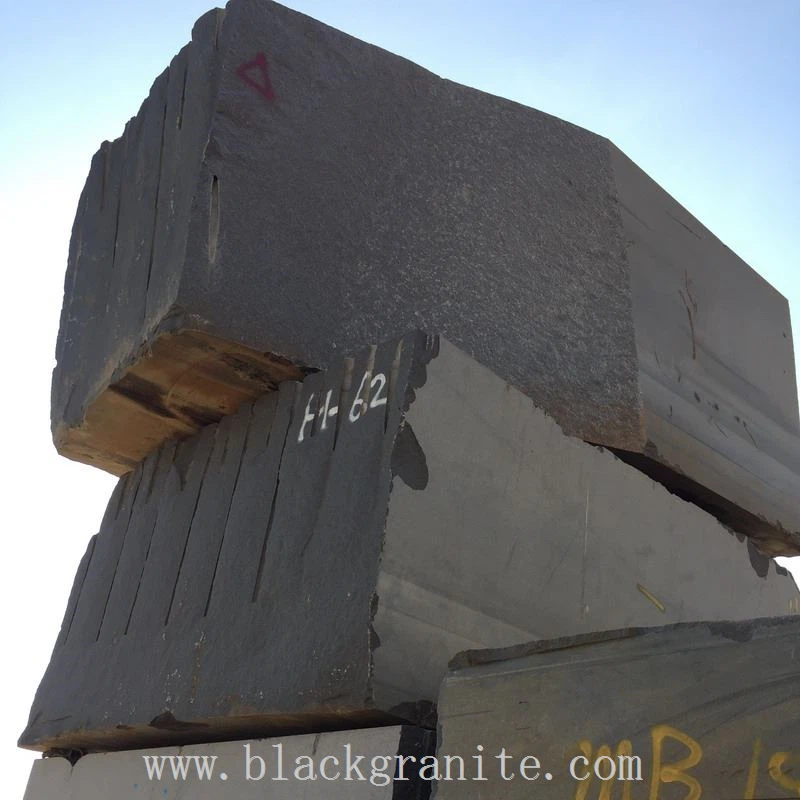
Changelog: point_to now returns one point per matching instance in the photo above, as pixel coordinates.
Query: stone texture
(716, 368)
(711, 708)
(124, 776)
(291, 191)
(315, 559)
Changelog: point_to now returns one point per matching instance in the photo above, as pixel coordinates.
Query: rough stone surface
(124, 776)
(316, 559)
(710, 709)
(293, 191)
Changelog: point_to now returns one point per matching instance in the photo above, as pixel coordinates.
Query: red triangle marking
(255, 73)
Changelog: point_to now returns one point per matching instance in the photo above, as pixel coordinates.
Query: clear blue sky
(704, 95)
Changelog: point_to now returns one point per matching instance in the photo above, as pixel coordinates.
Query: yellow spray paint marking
(624, 748)
(752, 775)
(783, 769)
(583, 788)
(775, 769)
(652, 598)
(675, 773)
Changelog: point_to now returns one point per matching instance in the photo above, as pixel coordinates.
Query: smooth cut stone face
(716, 368)
(271, 769)
(314, 560)
(684, 711)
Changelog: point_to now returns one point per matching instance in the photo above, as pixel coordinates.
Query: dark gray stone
(316, 559)
(710, 708)
(288, 192)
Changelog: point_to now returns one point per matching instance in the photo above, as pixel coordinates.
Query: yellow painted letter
(675, 773)
(777, 774)
(624, 758)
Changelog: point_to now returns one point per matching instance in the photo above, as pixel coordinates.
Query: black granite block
(708, 709)
(315, 559)
(288, 192)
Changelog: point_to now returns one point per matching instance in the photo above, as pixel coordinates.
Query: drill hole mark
(691, 309)
(213, 220)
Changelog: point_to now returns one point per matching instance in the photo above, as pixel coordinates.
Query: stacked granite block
(257, 770)
(288, 194)
(316, 558)
(712, 708)
(598, 432)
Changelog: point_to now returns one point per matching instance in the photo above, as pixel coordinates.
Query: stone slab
(252, 770)
(317, 558)
(288, 192)
(708, 709)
